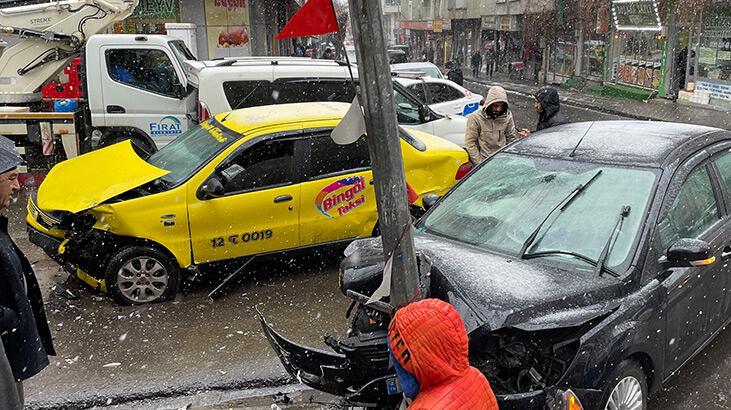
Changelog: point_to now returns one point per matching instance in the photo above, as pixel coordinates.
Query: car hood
(497, 291)
(86, 181)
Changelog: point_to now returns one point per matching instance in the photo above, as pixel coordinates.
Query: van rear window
(243, 94)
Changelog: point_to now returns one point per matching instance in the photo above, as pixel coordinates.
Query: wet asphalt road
(176, 350)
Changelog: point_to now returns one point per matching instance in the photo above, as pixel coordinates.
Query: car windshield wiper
(584, 258)
(623, 213)
(563, 204)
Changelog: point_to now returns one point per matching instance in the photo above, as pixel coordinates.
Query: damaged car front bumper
(358, 370)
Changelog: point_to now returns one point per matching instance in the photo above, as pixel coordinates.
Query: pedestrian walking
(428, 346)
(548, 106)
(489, 61)
(454, 73)
(489, 128)
(25, 334)
(328, 54)
(476, 64)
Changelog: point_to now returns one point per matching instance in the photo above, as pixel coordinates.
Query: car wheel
(626, 388)
(139, 274)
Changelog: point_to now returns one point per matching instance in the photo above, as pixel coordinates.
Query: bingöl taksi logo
(341, 197)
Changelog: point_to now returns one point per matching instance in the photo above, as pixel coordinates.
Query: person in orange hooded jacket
(428, 347)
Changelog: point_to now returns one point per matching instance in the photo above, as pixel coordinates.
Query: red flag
(315, 17)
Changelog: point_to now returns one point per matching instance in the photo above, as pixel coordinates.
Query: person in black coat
(454, 73)
(24, 330)
(548, 107)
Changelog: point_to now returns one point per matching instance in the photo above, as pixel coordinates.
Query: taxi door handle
(282, 198)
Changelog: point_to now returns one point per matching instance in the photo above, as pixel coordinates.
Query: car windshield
(192, 150)
(505, 200)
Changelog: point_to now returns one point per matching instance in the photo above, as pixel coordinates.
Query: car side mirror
(213, 188)
(690, 252)
(429, 200)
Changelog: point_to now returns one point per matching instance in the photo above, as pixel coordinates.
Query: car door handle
(115, 109)
(282, 198)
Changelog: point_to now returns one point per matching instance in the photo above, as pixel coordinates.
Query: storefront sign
(416, 25)
(488, 23)
(156, 9)
(506, 23)
(636, 15)
(227, 25)
(437, 26)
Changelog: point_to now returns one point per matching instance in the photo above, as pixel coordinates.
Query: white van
(228, 84)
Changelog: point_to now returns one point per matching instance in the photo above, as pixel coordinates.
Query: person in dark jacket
(548, 107)
(24, 330)
(454, 73)
(476, 64)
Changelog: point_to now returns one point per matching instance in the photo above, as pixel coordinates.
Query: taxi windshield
(500, 205)
(190, 151)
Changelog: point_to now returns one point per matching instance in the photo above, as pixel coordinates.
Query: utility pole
(384, 146)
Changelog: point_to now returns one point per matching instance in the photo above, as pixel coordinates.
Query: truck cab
(137, 89)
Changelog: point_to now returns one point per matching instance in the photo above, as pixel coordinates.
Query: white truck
(132, 86)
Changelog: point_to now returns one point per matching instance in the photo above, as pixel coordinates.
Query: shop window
(594, 51)
(639, 62)
(146, 69)
(328, 158)
(714, 51)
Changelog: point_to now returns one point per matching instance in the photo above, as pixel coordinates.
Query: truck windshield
(192, 150)
(504, 201)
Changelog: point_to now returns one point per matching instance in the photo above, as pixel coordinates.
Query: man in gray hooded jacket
(489, 128)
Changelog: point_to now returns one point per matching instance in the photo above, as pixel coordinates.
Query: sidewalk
(657, 109)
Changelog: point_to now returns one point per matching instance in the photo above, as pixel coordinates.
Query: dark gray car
(591, 256)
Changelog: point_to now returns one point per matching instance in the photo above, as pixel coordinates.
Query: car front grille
(43, 218)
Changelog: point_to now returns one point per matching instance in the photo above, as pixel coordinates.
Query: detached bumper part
(343, 374)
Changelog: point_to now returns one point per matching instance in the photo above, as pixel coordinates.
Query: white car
(246, 82)
(427, 68)
(442, 96)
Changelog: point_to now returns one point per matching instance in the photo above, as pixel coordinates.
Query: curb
(182, 391)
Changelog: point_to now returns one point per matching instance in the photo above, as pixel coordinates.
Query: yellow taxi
(251, 182)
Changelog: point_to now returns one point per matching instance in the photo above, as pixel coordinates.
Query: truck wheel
(626, 388)
(141, 146)
(139, 274)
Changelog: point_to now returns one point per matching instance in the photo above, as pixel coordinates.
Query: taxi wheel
(626, 388)
(139, 274)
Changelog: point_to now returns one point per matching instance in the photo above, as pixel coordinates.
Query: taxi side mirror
(425, 113)
(213, 188)
(690, 252)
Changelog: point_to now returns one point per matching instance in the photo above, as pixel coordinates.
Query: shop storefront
(562, 60)
(227, 28)
(149, 17)
(594, 50)
(713, 55)
(639, 47)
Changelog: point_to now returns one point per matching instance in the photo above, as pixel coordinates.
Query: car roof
(284, 117)
(412, 65)
(641, 143)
